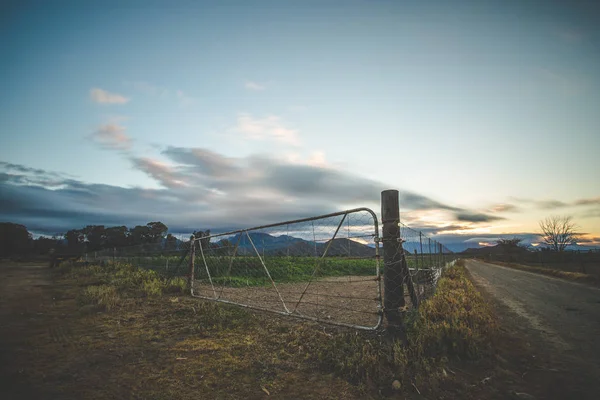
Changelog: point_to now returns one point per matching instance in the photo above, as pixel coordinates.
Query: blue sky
(290, 108)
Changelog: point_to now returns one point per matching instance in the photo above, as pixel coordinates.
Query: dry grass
(150, 344)
(455, 324)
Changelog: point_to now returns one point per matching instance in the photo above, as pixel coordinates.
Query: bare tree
(558, 232)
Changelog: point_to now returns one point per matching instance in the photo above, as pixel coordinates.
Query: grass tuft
(456, 323)
(104, 296)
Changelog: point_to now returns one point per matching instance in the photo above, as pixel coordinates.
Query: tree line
(15, 239)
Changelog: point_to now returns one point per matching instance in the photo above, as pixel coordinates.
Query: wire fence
(167, 259)
(425, 258)
(324, 268)
(328, 268)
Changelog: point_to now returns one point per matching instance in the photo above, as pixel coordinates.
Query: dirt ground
(51, 347)
(349, 300)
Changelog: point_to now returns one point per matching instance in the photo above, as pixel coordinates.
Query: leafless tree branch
(558, 232)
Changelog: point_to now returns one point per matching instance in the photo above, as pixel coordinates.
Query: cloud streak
(101, 96)
(555, 204)
(199, 188)
(267, 128)
(112, 136)
(466, 216)
(503, 208)
(254, 86)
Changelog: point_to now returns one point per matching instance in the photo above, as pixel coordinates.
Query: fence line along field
(326, 268)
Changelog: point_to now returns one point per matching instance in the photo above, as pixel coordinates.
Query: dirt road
(561, 319)
(23, 292)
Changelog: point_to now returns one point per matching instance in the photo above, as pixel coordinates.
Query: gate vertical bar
(191, 264)
(393, 279)
(421, 248)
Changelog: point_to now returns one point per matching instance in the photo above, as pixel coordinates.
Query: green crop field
(248, 270)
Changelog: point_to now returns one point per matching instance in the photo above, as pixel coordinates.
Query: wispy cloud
(255, 86)
(589, 240)
(160, 171)
(550, 204)
(203, 188)
(103, 97)
(504, 207)
(316, 158)
(588, 202)
(476, 217)
(23, 175)
(112, 136)
(554, 204)
(270, 127)
(184, 99)
(592, 214)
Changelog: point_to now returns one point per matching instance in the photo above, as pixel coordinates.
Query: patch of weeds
(215, 316)
(456, 323)
(104, 296)
(153, 287)
(176, 285)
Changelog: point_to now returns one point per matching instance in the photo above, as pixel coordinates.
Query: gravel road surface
(561, 318)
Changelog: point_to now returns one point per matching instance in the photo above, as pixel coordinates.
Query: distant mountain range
(293, 246)
(497, 249)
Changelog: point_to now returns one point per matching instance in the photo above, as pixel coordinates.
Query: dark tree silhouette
(15, 239)
(170, 243)
(156, 231)
(75, 240)
(559, 232)
(117, 236)
(95, 237)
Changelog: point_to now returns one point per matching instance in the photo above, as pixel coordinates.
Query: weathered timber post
(395, 272)
(191, 263)
(408, 279)
(393, 279)
(442, 263)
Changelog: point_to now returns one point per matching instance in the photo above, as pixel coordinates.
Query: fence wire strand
(325, 268)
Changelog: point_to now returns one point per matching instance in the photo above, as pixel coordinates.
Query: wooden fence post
(395, 270)
(191, 263)
(393, 280)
